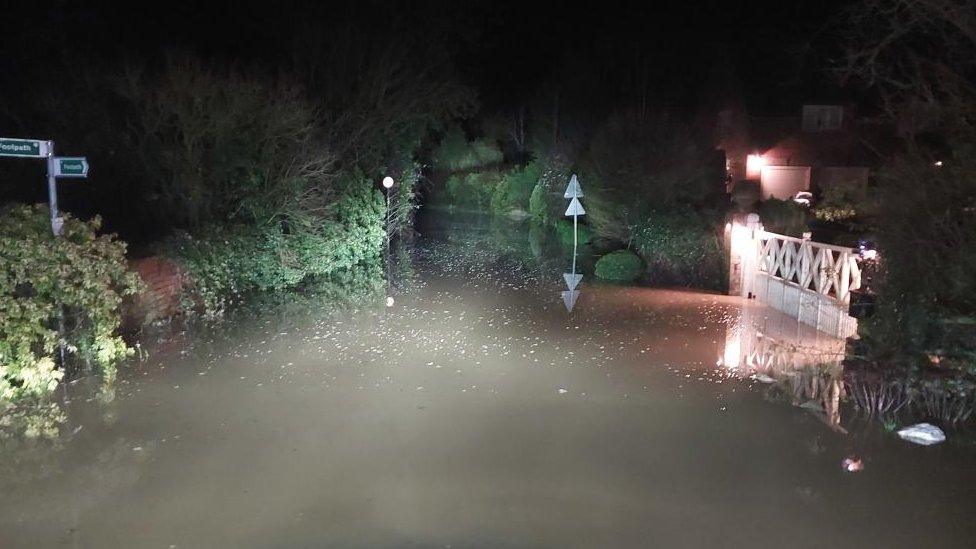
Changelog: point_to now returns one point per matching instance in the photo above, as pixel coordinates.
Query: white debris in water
(762, 378)
(925, 434)
(561, 391)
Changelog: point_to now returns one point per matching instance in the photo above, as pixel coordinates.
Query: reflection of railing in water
(804, 364)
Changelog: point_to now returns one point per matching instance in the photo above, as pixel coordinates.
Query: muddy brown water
(477, 412)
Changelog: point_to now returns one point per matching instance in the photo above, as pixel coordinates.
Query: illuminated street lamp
(388, 186)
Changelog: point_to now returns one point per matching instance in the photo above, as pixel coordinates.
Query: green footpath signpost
(24, 148)
(57, 166)
(65, 166)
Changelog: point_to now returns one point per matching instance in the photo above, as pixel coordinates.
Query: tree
(919, 57)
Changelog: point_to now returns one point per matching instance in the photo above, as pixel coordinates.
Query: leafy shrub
(564, 230)
(515, 188)
(843, 202)
(784, 217)
(621, 266)
(680, 248)
(500, 200)
(745, 195)
(636, 168)
(219, 145)
(546, 204)
(455, 153)
(926, 225)
(403, 200)
(522, 182)
(537, 204)
(472, 191)
(81, 273)
(227, 261)
(643, 164)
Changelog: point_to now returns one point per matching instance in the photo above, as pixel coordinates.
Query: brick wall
(163, 282)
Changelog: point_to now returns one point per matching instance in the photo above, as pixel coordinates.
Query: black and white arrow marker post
(575, 209)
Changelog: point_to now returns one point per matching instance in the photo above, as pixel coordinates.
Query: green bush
(81, 274)
(500, 202)
(620, 266)
(745, 195)
(637, 167)
(926, 225)
(564, 230)
(538, 208)
(472, 191)
(522, 182)
(455, 153)
(784, 217)
(546, 204)
(227, 261)
(844, 202)
(515, 188)
(217, 145)
(680, 248)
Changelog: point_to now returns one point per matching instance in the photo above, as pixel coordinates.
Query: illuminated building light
(754, 164)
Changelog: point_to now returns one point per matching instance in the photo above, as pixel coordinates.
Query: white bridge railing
(807, 280)
(828, 270)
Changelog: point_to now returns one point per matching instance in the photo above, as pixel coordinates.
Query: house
(823, 147)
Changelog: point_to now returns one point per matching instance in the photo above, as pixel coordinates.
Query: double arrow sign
(575, 209)
(57, 166)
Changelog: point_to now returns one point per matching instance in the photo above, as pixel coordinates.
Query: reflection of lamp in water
(732, 352)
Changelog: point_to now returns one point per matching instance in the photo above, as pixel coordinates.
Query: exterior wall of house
(783, 182)
(817, 150)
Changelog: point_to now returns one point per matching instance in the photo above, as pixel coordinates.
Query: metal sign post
(66, 166)
(57, 223)
(73, 167)
(573, 191)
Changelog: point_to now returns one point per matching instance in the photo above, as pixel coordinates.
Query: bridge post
(743, 248)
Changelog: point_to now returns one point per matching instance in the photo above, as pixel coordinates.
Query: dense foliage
(651, 186)
(927, 221)
(926, 204)
(227, 261)
(264, 193)
(81, 275)
(784, 217)
(620, 266)
(565, 231)
(455, 153)
(681, 248)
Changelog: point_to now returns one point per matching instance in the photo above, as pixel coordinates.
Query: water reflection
(477, 413)
(804, 364)
(575, 209)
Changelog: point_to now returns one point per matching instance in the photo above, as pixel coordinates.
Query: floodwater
(478, 412)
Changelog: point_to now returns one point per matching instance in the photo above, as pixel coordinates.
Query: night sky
(771, 54)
